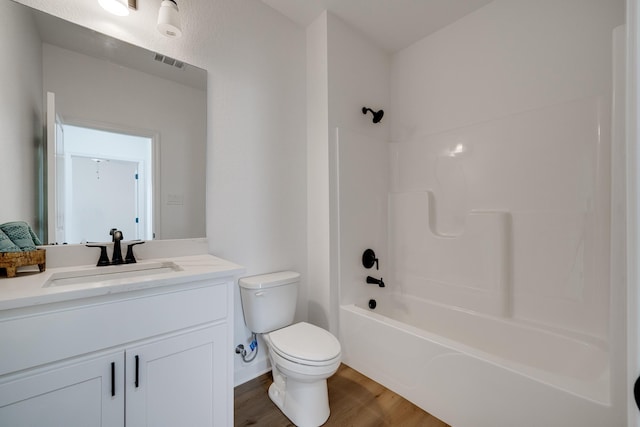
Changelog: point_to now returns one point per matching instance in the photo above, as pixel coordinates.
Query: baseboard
(249, 371)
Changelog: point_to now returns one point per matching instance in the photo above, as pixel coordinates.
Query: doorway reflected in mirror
(103, 180)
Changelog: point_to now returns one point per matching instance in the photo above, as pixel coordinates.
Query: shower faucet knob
(369, 258)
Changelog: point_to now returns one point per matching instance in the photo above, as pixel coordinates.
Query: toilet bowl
(302, 355)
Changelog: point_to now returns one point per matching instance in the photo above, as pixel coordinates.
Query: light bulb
(117, 7)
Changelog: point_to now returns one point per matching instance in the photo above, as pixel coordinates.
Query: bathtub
(472, 370)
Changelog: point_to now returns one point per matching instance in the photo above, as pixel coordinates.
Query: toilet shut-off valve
(375, 281)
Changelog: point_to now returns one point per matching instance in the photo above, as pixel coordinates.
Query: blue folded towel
(6, 245)
(22, 236)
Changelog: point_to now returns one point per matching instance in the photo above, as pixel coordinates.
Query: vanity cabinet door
(179, 381)
(85, 392)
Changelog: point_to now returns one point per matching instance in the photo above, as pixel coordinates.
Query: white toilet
(302, 355)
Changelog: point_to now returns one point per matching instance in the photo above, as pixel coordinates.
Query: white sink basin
(112, 272)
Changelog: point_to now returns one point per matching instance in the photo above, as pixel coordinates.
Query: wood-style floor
(355, 401)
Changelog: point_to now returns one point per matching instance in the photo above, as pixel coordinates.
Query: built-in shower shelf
(468, 270)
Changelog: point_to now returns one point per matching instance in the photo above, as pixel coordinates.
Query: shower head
(377, 115)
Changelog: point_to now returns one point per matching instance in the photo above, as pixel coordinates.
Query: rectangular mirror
(126, 132)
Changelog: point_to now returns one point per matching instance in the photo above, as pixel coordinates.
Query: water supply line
(253, 349)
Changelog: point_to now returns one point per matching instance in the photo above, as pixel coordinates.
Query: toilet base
(306, 404)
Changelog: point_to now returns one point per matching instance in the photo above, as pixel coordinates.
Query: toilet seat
(305, 344)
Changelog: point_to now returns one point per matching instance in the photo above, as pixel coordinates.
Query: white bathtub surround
(509, 380)
(545, 173)
(491, 213)
(429, 263)
(575, 363)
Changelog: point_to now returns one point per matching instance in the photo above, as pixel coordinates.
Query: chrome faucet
(116, 258)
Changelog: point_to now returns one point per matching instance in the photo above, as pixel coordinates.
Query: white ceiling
(391, 24)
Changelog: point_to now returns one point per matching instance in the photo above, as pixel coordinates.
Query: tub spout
(375, 281)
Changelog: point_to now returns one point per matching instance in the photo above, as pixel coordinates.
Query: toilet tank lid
(269, 280)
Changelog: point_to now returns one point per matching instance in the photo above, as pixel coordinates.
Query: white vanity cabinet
(178, 381)
(73, 394)
(151, 357)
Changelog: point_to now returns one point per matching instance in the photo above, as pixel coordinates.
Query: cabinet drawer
(54, 335)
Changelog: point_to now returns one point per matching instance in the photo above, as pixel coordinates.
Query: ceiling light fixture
(169, 19)
(117, 7)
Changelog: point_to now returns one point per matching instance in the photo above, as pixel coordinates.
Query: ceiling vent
(169, 61)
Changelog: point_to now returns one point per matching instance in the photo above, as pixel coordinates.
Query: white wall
(363, 174)
(359, 76)
(509, 56)
(21, 116)
(92, 91)
(525, 87)
(632, 156)
(345, 72)
(256, 158)
(256, 137)
(318, 222)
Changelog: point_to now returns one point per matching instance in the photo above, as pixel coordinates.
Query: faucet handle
(117, 234)
(129, 258)
(369, 259)
(104, 258)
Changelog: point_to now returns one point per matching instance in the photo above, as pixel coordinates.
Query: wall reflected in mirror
(105, 85)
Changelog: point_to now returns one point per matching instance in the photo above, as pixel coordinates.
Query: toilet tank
(269, 300)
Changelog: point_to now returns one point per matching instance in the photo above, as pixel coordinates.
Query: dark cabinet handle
(113, 379)
(137, 382)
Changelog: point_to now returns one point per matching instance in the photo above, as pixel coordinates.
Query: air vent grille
(169, 61)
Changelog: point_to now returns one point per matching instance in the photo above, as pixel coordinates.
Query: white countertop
(29, 289)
